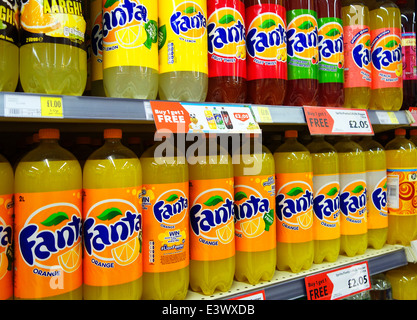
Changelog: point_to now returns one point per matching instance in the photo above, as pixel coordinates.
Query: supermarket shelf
(288, 286)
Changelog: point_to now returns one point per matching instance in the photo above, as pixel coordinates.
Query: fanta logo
(188, 20)
(164, 210)
(353, 202)
(5, 236)
(302, 35)
(293, 202)
(386, 52)
(97, 37)
(361, 52)
(251, 207)
(326, 203)
(331, 44)
(379, 196)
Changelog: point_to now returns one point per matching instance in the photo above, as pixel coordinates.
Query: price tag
(22, 106)
(262, 114)
(339, 283)
(52, 107)
(257, 295)
(387, 117)
(412, 116)
(337, 121)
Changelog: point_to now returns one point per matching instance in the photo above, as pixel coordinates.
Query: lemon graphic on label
(305, 220)
(399, 70)
(226, 233)
(71, 260)
(253, 228)
(131, 37)
(126, 253)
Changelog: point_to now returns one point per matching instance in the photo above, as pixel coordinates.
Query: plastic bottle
(135, 144)
(413, 136)
(387, 84)
(357, 45)
(403, 282)
(112, 185)
(331, 53)
(183, 60)
(381, 287)
(83, 149)
(212, 234)
(48, 206)
(96, 9)
(53, 57)
(401, 156)
(9, 50)
(266, 51)
(226, 51)
(408, 37)
(326, 203)
(294, 204)
(353, 198)
(165, 205)
(255, 225)
(6, 227)
(303, 54)
(376, 183)
(130, 58)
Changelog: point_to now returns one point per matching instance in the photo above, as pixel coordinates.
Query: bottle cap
(35, 137)
(112, 134)
(48, 134)
(291, 134)
(400, 132)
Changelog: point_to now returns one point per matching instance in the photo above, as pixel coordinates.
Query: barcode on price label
(22, 106)
(393, 191)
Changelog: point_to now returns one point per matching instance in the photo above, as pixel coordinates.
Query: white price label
(22, 106)
(350, 121)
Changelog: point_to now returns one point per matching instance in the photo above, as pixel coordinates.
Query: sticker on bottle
(9, 21)
(401, 191)
(6, 242)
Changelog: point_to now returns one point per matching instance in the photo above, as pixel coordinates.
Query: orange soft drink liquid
(48, 248)
(112, 229)
(255, 225)
(326, 207)
(294, 205)
(376, 183)
(401, 156)
(353, 199)
(403, 282)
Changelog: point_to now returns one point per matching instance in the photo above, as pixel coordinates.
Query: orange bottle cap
(400, 132)
(112, 134)
(291, 134)
(35, 137)
(48, 134)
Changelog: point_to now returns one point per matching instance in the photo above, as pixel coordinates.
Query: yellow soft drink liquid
(6, 229)
(165, 223)
(53, 58)
(112, 182)
(48, 205)
(255, 226)
(401, 156)
(212, 234)
(183, 60)
(403, 282)
(376, 183)
(96, 20)
(353, 199)
(326, 208)
(294, 204)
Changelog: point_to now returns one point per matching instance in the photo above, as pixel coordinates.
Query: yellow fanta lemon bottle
(130, 52)
(96, 20)
(183, 60)
(47, 237)
(53, 56)
(294, 205)
(112, 229)
(9, 41)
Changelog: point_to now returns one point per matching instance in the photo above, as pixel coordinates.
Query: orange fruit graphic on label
(71, 260)
(34, 20)
(126, 253)
(225, 234)
(253, 228)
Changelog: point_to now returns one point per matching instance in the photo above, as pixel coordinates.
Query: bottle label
(387, 67)
(165, 219)
(130, 33)
(51, 21)
(376, 182)
(96, 41)
(409, 56)
(401, 191)
(326, 207)
(331, 51)
(353, 203)
(183, 36)
(112, 236)
(357, 45)
(6, 242)
(9, 17)
(48, 248)
(212, 235)
(294, 207)
(255, 226)
(302, 40)
(266, 42)
(226, 39)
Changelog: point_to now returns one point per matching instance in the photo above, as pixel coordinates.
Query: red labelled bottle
(226, 51)
(266, 50)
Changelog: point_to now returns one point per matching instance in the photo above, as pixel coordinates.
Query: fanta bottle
(183, 59)
(266, 51)
(255, 226)
(6, 227)
(212, 235)
(226, 51)
(165, 223)
(326, 203)
(353, 198)
(303, 53)
(294, 204)
(47, 235)
(403, 282)
(386, 52)
(413, 136)
(53, 57)
(357, 45)
(376, 184)
(130, 58)
(112, 228)
(96, 9)
(9, 50)
(401, 156)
